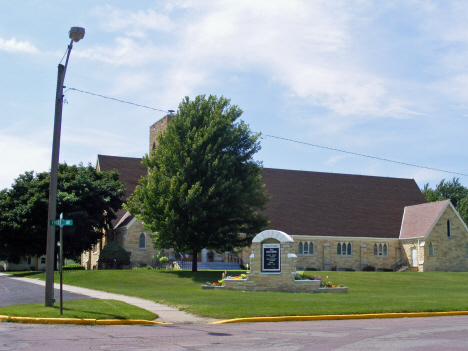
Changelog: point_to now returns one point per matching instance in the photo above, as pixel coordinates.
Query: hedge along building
(337, 221)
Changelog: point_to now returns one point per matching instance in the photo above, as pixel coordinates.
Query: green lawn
(93, 309)
(369, 292)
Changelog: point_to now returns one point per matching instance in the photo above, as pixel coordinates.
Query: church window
(142, 241)
(344, 249)
(449, 228)
(305, 248)
(431, 249)
(381, 250)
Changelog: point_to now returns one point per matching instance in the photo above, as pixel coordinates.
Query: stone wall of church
(140, 256)
(156, 129)
(448, 253)
(325, 255)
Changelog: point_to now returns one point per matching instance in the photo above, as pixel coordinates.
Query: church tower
(156, 129)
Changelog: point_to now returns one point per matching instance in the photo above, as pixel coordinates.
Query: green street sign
(61, 222)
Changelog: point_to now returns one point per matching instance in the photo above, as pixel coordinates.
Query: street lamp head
(76, 33)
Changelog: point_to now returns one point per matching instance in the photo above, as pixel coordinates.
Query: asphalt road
(428, 334)
(16, 292)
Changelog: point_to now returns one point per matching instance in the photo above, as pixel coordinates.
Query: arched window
(449, 228)
(466, 250)
(344, 249)
(385, 249)
(154, 145)
(380, 249)
(431, 249)
(299, 249)
(376, 250)
(311, 248)
(306, 248)
(142, 241)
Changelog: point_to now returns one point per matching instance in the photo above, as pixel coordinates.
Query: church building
(337, 221)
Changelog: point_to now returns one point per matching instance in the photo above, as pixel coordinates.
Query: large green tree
(451, 190)
(203, 188)
(84, 195)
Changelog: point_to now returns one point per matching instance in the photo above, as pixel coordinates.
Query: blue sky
(384, 79)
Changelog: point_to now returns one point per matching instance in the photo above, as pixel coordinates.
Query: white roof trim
(134, 219)
(348, 238)
(458, 215)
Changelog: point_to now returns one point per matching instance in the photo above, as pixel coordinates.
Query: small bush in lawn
(114, 255)
(350, 270)
(73, 267)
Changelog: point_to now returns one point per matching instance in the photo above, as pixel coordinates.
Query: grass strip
(83, 309)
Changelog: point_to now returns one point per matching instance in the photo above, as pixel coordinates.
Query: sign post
(61, 222)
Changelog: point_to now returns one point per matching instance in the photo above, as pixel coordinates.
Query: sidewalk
(166, 314)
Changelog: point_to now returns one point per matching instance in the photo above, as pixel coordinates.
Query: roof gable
(419, 220)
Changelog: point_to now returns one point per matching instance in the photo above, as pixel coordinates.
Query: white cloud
(333, 160)
(125, 51)
(21, 154)
(134, 24)
(12, 45)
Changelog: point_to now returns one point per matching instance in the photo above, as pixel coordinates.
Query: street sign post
(60, 222)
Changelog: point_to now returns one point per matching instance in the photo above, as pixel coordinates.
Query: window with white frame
(431, 249)
(381, 250)
(142, 241)
(344, 249)
(305, 248)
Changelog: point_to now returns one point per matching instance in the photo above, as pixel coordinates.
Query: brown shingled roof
(329, 204)
(419, 220)
(130, 169)
(314, 203)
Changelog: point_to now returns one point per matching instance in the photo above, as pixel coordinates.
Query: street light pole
(75, 34)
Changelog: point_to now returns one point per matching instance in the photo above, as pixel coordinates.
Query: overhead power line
(362, 155)
(125, 102)
(285, 139)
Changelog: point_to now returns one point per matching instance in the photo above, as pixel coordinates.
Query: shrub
(164, 259)
(350, 270)
(113, 253)
(73, 267)
(369, 268)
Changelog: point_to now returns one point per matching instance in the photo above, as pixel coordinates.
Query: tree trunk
(194, 260)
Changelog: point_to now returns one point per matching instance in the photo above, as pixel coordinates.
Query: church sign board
(271, 260)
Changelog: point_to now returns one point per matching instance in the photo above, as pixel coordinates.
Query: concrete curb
(78, 321)
(341, 317)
